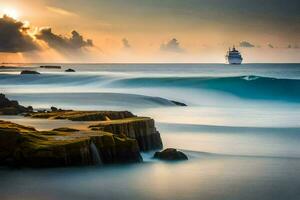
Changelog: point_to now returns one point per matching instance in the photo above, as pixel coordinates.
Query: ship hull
(235, 61)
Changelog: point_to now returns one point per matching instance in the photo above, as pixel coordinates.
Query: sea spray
(95, 154)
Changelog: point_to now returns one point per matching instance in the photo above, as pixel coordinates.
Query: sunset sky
(148, 30)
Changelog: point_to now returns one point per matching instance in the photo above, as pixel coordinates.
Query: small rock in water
(69, 70)
(29, 72)
(170, 154)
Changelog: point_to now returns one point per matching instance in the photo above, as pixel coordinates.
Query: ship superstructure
(234, 57)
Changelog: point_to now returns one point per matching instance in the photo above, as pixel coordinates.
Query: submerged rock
(29, 72)
(69, 70)
(25, 146)
(11, 107)
(170, 154)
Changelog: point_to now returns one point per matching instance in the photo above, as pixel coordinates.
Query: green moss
(119, 121)
(83, 115)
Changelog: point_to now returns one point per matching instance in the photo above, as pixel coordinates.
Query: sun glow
(11, 12)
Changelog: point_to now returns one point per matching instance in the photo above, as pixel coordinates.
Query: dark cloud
(246, 44)
(60, 42)
(271, 46)
(295, 46)
(126, 44)
(173, 46)
(14, 36)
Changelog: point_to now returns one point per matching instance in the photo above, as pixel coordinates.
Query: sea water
(240, 129)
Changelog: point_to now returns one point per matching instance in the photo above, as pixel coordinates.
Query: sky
(145, 31)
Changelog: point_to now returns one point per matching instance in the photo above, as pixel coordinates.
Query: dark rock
(11, 107)
(170, 154)
(53, 109)
(69, 70)
(50, 67)
(29, 72)
(179, 103)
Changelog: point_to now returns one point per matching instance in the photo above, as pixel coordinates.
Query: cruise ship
(234, 57)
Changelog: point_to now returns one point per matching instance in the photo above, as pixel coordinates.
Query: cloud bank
(246, 44)
(172, 46)
(14, 36)
(60, 42)
(125, 43)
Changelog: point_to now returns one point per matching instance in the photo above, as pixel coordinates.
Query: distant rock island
(29, 72)
(112, 137)
(50, 66)
(69, 70)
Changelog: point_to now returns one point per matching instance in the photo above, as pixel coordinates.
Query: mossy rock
(25, 146)
(84, 115)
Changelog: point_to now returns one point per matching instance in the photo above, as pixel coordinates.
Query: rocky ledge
(112, 137)
(25, 146)
(116, 122)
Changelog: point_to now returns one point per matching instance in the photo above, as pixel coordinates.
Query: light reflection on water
(207, 177)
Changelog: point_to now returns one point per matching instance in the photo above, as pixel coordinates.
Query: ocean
(240, 130)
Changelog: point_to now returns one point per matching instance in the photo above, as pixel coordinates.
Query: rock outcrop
(140, 128)
(170, 154)
(25, 146)
(117, 122)
(11, 107)
(29, 72)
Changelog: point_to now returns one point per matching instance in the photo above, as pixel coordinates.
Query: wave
(253, 87)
